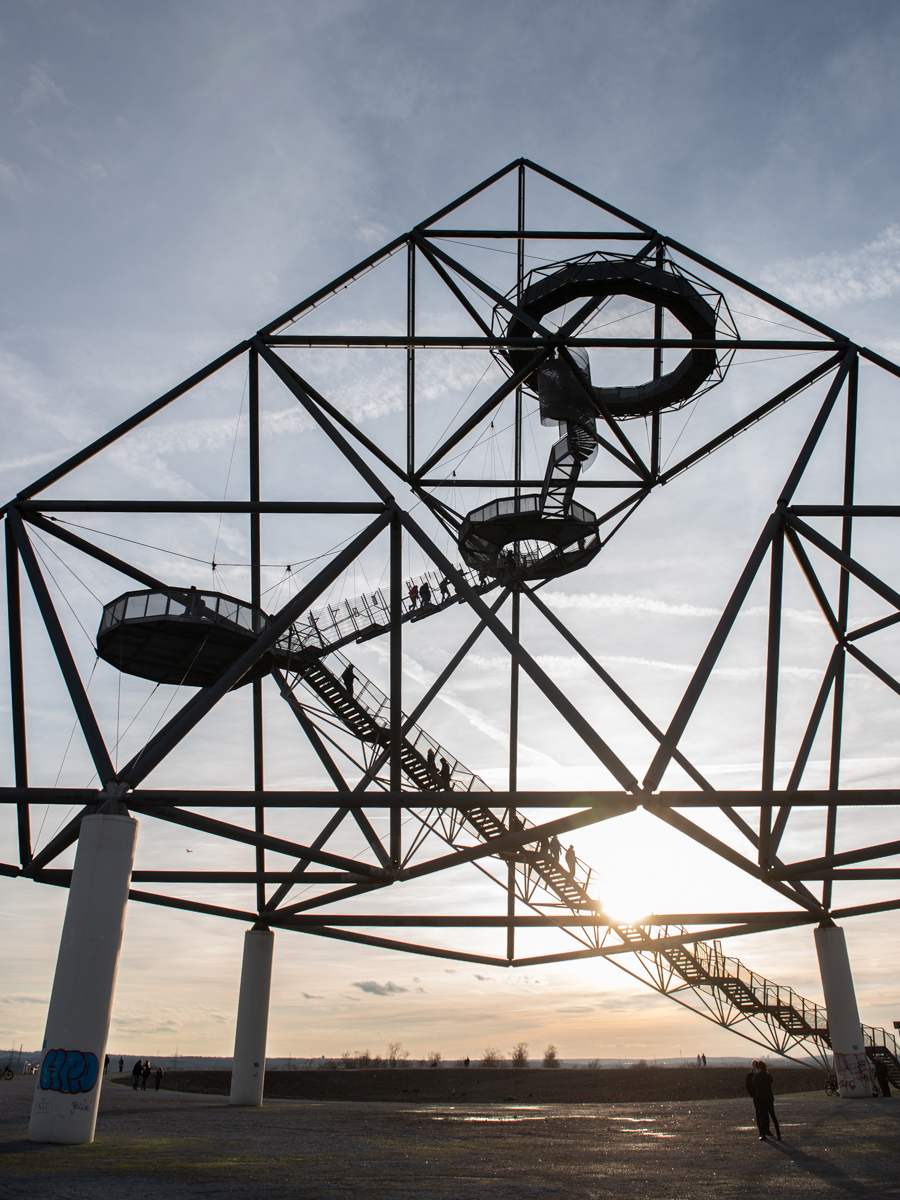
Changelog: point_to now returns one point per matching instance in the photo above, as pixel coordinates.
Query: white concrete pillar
(68, 1087)
(850, 1063)
(248, 1068)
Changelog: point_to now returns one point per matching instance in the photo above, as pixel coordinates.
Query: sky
(174, 176)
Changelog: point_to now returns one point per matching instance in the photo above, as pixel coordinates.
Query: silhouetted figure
(348, 677)
(554, 847)
(445, 774)
(106, 1065)
(703, 1059)
(759, 1085)
(413, 595)
(445, 588)
(136, 1075)
(882, 1077)
(424, 594)
(432, 766)
(145, 1075)
(698, 1061)
(159, 1075)
(571, 860)
(121, 1065)
(466, 1061)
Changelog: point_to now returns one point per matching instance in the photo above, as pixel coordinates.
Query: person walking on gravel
(145, 1075)
(136, 1075)
(759, 1085)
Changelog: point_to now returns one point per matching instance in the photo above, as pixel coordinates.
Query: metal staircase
(572, 454)
(696, 974)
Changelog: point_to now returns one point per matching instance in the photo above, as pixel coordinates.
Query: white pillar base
(248, 1069)
(851, 1065)
(68, 1087)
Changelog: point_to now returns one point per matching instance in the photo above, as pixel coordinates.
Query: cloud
(307, 996)
(13, 181)
(830, 280)
(379, 989)
(576, 1008)
(24, 1000)
(484, 978)
(619, 602)
(40, 89)
(624, 603)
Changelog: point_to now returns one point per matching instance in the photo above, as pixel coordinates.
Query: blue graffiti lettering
(69, 1071)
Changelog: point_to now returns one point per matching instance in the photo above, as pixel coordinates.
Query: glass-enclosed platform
(180, 636)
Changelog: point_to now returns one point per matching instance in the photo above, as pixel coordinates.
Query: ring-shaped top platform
(622, 276)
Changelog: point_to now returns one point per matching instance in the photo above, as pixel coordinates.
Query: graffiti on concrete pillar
(69, 1071)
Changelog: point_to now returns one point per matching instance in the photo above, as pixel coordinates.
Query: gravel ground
(175, 1145)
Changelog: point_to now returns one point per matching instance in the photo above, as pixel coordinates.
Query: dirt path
(170, 1146)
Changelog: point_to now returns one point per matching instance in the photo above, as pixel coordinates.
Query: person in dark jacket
(759, 1085)
(145, 1075)
(136, 1075)
(159, 1075)
(882, 1076)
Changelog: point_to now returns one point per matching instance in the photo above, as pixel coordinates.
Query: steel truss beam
(760, 815)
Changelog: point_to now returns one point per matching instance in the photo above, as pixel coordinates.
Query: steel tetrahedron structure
(541, 312)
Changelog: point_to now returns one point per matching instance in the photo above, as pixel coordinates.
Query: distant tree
(435, 1058)
(396, 1054)
(640, 1065)
(594, 1064)
(492, 1057)
(519, 1056)
(551, 1058)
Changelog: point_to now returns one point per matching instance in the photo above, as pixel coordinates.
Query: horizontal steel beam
(538, 921)
(203, 506)
(828, 862)
(554, 235)
(149, 876)
(845, 510)
(466, 341)
(220, 798)
(526, 483)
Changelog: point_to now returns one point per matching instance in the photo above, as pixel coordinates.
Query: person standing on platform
(413, 595)
(445, 589)
(432, 766)
(424, 594)
(136, 1075)
(446, 784)
(571, 861)
(348, 677)
(554, 847)
(145, 1075)
(759, 1085)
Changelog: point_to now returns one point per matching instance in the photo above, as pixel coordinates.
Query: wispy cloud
(40, 89)
(621, 602)
(872, 272)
